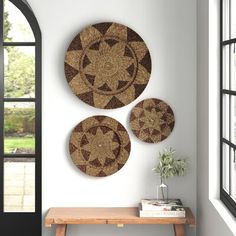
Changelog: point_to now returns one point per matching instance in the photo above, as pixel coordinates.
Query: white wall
(169, 29)
(209, 220)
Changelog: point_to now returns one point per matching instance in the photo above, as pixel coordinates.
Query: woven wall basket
(152, 120)
(107, 65)
(99, 146)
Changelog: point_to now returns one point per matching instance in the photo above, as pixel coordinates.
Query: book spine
(162, 214)
(150, 208)
(158, 208)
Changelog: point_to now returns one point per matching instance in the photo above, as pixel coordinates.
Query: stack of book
(160, 208)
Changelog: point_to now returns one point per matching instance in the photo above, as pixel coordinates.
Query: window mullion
(228, 143)
(24, 44)
(227, 42)
(221, 96)
(229, 92)
(19, 99)
(229, 19)
(230, 106)
(13, 155)
(38, 128)
(230, 148)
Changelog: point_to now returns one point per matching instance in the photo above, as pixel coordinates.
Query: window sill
(228, 218)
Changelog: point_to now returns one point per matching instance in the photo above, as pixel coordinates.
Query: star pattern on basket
(102, 145)
(107, 65)
(99, 146)
(152, 120)
(109, 71)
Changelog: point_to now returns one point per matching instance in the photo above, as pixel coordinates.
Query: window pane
(233, 18)
(226, 167)
(225, 115)
(16, 27)
(233, 176)
(226, 67)
(19, 185)
(233, 119)
(19, 72)
(233, 67)
(19, 127)
(226, 20)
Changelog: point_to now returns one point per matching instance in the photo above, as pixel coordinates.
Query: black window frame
(224, 195)
(22, 223)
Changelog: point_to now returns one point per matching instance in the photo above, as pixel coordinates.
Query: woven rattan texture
(152, 120)
(107, 65)
(99, 146)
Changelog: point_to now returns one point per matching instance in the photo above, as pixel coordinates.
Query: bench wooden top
(108, 215)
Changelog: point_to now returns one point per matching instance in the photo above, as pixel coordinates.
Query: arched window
(20, 120)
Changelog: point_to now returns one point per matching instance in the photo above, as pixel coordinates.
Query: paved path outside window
(19, 187)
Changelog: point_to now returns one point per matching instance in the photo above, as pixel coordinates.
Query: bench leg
(61, 230)
(179, 230)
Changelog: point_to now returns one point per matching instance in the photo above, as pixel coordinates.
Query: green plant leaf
(168, 166)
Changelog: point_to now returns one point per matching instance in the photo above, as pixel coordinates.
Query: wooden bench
(61, 217)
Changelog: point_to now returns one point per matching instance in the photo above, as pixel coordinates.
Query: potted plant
(168, 166)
